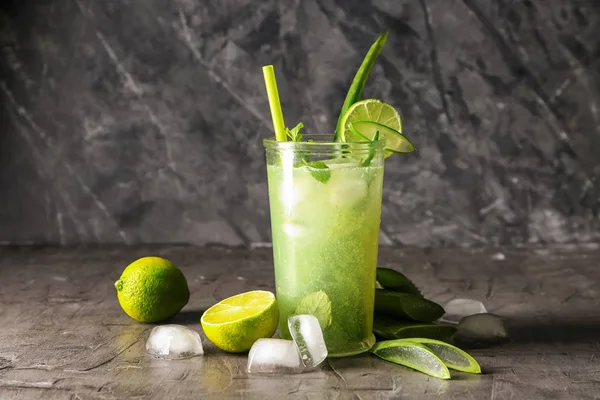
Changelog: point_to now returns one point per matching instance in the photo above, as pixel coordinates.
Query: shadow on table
(583, 329)
(187, 317)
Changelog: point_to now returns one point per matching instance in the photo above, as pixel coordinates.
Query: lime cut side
(413, 355)
(241, 306)
(372, 110)
(452, 356)
(234, 324)
(395, 142)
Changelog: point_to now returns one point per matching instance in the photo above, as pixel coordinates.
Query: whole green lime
(152, 289)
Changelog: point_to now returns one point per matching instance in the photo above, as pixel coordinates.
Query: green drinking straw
(274, 103)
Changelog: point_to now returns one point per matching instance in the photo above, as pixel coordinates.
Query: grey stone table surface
(63, 334)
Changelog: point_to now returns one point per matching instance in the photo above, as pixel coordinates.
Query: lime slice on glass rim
(367, 117)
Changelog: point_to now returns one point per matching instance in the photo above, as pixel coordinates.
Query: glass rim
(326, 145)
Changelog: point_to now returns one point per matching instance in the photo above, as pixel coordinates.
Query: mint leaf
(317, 304)
(294, 133)
(319, 170)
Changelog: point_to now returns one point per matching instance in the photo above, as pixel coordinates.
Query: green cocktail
(325, 215)
(325, 199)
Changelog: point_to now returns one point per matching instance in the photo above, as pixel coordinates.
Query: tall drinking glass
(325, 201)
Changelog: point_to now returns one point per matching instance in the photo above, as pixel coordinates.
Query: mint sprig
(294, 133)
(317, 304)
(319, 170)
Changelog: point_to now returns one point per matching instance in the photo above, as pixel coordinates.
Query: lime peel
(152, 289)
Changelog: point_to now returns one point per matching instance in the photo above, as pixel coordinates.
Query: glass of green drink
(325, 200)
(325, 203)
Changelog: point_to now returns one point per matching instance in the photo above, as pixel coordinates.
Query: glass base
(359, 348)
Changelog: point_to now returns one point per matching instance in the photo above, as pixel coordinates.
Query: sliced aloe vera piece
(406, 306)
(396, 281)
(358, 83)
(389, 328)
(413, 355)
(395, 142)
(371, 155)
(452, 356)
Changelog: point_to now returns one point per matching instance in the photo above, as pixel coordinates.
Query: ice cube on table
(274, 356)
(481, 328)
(457, 309)
(174, 342)
(308, 338)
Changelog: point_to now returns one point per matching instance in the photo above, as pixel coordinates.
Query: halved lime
(413, 355)
(357, 125)
(452, 356)
(234, 324)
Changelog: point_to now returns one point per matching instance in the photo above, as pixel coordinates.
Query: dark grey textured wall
(141, 121)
